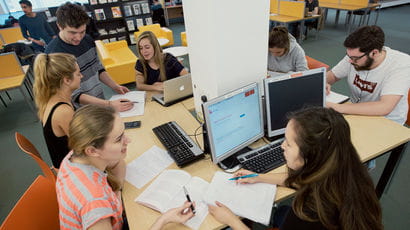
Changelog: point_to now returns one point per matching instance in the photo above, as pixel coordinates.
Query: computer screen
(290, 93)
(233, 121)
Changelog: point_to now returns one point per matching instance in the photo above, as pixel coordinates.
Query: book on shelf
(114, 0)
(132, 38)
(93, 2)
(113, 39)
(109, 1)
(102, 32)
(102, 1)
(105, 41)
(120, 29)
(145, 8)
(99, 14)
(140, 22)
(113, 31)
(166, 192)
(116, 12)
(137, 9)
(127, 10)
(148, 21)
(130, 25)
(122, 38)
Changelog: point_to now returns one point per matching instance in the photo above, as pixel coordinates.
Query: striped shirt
(90, 65)
(84, 197)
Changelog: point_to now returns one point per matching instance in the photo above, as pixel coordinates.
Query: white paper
(336, 97)
(166, 192)
(135, 96)
(252, 201)
(143, 169)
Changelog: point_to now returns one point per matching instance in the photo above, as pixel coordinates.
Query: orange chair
(37, 209)
(313, 63)
(408, 112)
(27, 147)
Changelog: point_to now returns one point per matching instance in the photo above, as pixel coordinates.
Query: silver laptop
(175, 90)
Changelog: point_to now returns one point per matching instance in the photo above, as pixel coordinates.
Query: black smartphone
(132, 124)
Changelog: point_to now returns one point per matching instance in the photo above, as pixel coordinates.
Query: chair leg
(4, 103)
(8, 95)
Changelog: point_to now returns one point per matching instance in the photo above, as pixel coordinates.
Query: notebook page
(336, 97)
(135, 96)
(252, 201)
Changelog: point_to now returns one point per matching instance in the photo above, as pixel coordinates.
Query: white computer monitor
(233, 121)
(290, 93)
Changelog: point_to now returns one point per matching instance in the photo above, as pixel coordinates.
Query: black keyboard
(180, 147)
(263, 159)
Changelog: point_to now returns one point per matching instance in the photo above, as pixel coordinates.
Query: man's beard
(366, 66)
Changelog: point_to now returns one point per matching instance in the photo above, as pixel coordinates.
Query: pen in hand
(189, 199)
(245, 176)
(129, 101)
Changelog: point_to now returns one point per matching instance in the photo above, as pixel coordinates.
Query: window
(13, 5)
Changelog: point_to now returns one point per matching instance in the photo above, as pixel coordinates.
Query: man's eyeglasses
(355, 58)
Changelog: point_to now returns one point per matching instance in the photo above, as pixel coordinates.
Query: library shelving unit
(118, 20)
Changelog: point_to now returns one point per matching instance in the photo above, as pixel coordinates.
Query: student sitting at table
(285, 54)
(57, 76)
(334, 189)
(153, 66)
(91, 176)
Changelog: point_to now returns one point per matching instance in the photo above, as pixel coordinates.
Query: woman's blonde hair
(49, 72)
(90, 126)
(158, 55)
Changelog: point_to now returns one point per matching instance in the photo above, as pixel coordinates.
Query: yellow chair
(11, 35)
(36, 209)
(13, 76)
(118, 60)
(183, 39)
(160, 32)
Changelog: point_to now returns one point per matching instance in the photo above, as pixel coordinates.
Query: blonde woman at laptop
(153, 66)
(57, 76)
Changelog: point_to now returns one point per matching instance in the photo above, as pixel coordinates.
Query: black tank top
(57, 146)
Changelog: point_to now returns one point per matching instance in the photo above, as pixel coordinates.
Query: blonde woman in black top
(57, 76)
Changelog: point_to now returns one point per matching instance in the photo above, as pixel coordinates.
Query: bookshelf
(118, 20)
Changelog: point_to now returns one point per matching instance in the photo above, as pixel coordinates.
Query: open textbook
(336, 98)
(166, 193)
(252, 201)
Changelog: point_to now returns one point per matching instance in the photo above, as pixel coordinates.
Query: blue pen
(246, 176)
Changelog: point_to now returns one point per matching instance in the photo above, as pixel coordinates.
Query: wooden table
(283, 19)
(349, 8)
(372, 137)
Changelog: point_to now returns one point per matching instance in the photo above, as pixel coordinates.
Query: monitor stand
(231, 164)
(274, 138)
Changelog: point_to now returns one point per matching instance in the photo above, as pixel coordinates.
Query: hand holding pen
(189, 199)
(244, 176)
(122, 105)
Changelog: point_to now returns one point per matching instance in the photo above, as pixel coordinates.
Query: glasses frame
(355, 58)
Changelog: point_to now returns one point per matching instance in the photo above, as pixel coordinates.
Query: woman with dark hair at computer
(153, 66)
(333, 188)
(285, 54)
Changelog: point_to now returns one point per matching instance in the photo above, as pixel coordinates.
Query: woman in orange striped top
(91, 176)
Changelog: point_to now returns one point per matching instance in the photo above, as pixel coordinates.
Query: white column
(227, 43)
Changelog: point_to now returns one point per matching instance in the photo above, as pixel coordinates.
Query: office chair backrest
(408, 112)
(27, 147)
(37, 209)
(13, 66)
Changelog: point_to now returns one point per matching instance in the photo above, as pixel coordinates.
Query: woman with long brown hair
(57, 76)
(153, 66)
(333, 188)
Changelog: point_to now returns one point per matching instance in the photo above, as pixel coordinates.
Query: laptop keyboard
(263, 159)
(180, 147)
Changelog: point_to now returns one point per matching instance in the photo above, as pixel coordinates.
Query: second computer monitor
(291, 93)
(233, 121)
